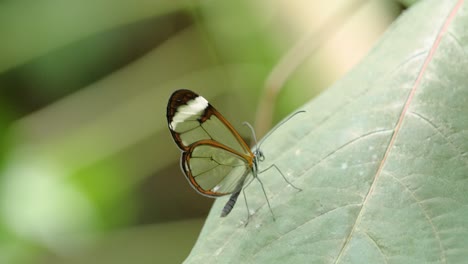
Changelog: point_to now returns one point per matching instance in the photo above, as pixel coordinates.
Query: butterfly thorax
(259, 155)
(257, 158)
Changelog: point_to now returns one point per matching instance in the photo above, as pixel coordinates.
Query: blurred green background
(88, 170)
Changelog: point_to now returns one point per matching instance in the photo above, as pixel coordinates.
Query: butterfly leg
(245, 199)
(247, 207)
(266, 197)
(284, 177)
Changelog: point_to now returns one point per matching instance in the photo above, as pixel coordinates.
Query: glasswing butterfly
(215, 159)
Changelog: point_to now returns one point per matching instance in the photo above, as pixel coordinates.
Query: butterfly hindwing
(214, 171)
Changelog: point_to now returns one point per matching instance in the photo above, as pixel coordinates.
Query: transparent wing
(191, 119)
(214, 170)
(215, 159)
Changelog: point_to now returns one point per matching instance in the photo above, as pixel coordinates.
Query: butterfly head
(259, 155)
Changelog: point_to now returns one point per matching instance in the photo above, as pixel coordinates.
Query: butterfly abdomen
(230, 204)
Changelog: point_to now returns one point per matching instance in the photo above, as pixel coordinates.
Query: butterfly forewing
(216, 160)
(191, 118)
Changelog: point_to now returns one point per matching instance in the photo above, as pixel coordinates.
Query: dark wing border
(181, 97)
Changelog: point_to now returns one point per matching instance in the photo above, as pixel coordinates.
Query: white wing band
(193, 108)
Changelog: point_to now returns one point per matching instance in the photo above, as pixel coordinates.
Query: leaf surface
(382, 158)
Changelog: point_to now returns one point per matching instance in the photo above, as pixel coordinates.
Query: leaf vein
(299, 226)
(330, 154)
(399, 123)
(426, 215)
(377, 246)
(437, 129)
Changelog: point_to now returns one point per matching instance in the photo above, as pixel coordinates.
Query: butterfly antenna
(272, 166)
(252, 130)
(277, 126)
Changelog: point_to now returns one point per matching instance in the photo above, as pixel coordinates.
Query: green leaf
(381, 157)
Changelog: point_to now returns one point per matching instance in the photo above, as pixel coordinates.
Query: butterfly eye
(260, 155)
